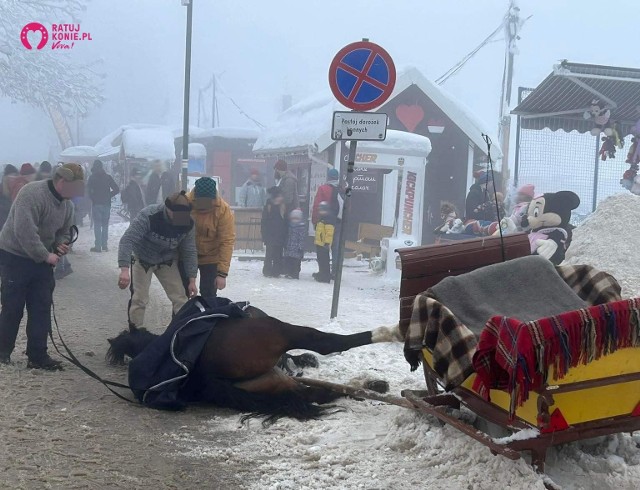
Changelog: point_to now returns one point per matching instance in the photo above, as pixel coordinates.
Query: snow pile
(398, 143)
(608, 240)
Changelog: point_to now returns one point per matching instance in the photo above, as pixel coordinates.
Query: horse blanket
(158, 373)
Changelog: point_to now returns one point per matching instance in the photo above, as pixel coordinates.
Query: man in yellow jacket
(215, 235)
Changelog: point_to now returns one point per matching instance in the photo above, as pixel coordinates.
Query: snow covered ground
(64, 430)
(371, 445)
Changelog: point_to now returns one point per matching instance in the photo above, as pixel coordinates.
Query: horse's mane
(128, 343)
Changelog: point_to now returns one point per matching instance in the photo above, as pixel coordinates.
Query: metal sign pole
(187, 92)
(343, 227)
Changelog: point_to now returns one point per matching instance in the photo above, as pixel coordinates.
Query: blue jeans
(101, 214)
(30, 284)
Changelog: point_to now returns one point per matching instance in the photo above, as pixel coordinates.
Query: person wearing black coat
(132, 196)
(101, 188)
(274, 228)
(480, 204)
(161, 185)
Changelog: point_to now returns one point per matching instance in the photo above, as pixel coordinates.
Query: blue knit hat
(333, 174)
(205, 187)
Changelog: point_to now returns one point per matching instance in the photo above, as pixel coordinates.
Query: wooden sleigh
(595, 399)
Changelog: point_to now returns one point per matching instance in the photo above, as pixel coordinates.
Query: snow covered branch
(43, 78)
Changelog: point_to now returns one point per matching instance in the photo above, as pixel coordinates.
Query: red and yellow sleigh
(579, 396)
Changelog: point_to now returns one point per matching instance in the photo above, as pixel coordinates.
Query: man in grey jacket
(156, 240)
(35, 236)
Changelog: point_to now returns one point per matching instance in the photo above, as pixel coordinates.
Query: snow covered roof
(228, 133)
(306, 123)
(110, 144)
(79, 152)
(399, 143)
(149, 144)
(309, 121)
(456, 110)
(197, 150)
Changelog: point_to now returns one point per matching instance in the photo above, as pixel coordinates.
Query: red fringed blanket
(516, 356)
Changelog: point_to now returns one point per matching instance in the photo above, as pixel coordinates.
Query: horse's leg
(244, 348)
(326, 343)
(271, 382)
(276, 381)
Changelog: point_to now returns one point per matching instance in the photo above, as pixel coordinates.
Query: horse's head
(128, 343)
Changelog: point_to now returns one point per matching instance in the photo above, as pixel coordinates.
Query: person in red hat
(27, 174)
(288, 184)
(252, 193)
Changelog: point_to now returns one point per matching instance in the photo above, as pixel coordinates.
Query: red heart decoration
(410, 116)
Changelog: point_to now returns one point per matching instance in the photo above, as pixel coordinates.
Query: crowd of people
(486, 209)
(174, 236)
(284, 229)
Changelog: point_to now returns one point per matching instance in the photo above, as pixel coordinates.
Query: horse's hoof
(377, 385)
(306, 360)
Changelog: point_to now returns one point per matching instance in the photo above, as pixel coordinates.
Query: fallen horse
(227, 354)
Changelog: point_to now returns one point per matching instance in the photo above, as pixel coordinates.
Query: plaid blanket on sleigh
(434, 327)
(516, 356)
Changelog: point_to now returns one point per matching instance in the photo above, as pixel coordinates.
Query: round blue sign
(362, 76)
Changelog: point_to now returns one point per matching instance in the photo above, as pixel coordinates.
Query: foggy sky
(267, 48)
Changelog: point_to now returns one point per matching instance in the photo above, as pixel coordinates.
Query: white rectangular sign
(359, 126)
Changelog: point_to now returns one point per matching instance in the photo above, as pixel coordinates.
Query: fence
(557, 160)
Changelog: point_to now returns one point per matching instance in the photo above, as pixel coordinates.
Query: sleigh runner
(569, 373)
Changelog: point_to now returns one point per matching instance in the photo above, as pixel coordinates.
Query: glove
(546, 248)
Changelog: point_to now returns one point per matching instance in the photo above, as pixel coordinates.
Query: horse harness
(73, 237)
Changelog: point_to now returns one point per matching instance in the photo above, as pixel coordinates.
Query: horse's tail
(271, 406)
